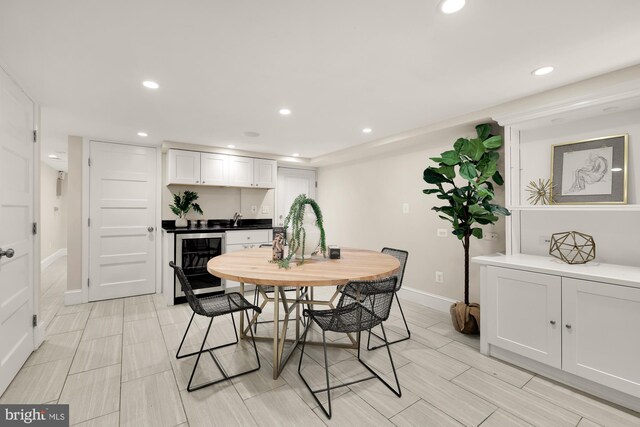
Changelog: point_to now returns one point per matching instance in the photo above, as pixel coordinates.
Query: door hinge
(316, 184)
(35, 320)
(88, 282)
(35, 136)
(34, 228)
(89, 161)
(88, 222)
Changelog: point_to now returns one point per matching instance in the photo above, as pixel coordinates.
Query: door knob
(149, 229)
(568, 326)
(553, 322)
(8, 253)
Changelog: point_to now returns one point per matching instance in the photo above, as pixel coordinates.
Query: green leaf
(493, 143)
(477, 232)
(436, 159)
(448, 171)
(431, 191)
(468, 171)
(459, 143)
(450, 158)
(497, 178)
(474, 149)
(483, 130)
(487, 167)
(432, 177)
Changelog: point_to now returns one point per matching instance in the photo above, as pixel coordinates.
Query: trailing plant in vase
(468, 201)
(182, 204)
(297, 237)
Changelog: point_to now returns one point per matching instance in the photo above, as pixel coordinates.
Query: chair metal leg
(222, 371)
(178, 356)
(406, 326)
(393, 366)
(326, 366)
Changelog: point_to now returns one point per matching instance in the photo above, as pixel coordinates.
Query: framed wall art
(590, 171)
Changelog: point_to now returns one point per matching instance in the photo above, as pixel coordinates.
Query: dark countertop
(218, 225)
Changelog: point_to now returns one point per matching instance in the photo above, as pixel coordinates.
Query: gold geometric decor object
(539, 192)
(573, 247)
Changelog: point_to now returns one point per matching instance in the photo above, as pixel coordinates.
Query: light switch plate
(442, 232)
(405, 208)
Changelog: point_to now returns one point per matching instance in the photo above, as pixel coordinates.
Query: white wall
(53, 213)
(362, 206)
(74, 214)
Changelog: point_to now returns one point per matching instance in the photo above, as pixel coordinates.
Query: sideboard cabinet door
(601, 333)
(525, 313)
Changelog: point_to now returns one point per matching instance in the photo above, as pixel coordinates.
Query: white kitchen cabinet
(183, 167)
(529, 307)
(600, 338)
(214, 169)
(265, 173)
(240, 171)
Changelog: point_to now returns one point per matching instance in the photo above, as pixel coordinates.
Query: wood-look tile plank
(422, 413)
(376, 394)
(446, 330)
(579, 403)
(76, 308)
(142, 310)
(282, 407)
(418, 334)
(350, 410)
(97, 353)
(588, 423)
(151, 401)
(107, 308)
(138, 299)
(38, 383)
(68, 323)
(109, 420)
(458, 403)
(143, 359)
(174, 332)
(518, 402)
(55, 347)
(138, 331)
(92, 394)
(100, 327)
(175, 314)
(434, 361)
(502, 418)
(218, 405)
(505, 372)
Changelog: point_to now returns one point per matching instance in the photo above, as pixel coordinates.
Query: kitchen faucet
(236, 217)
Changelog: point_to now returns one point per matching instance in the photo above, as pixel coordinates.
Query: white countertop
(609, 273)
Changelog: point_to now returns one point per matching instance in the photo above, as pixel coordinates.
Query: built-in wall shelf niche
(529, 138)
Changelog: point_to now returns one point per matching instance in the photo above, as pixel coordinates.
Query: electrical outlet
(405, 208)
(491, 236)
(254, 209)
(442, 232)
(265, 209)
(544, 240)
(439, 277)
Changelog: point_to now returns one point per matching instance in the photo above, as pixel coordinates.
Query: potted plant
(182, 204)
(307, 230)
(468, 202)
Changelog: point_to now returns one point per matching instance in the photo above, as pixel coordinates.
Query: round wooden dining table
(252, 266)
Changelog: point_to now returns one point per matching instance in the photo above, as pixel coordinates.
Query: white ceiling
(227, 67)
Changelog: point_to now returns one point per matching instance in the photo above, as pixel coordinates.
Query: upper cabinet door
(184, 167)
(526, 314)
(214, 169)
(265, 173)
(240, 171)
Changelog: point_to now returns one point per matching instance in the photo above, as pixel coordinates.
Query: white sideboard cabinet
(575, 323)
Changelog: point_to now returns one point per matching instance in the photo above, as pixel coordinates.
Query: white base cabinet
(562, 324)
(245, 239)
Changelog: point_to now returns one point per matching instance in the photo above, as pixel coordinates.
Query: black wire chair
(213, 306)
(368, 307)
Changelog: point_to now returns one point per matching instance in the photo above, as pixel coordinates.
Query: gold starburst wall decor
(539, 192)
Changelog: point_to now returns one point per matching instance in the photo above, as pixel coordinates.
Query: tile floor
(114, 363)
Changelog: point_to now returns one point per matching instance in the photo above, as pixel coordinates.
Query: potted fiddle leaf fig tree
(182, 204)
(465, 179)
(305, 230)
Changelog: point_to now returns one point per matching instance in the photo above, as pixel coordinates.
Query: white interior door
(16, 236)
(292, 183)
(123, 233)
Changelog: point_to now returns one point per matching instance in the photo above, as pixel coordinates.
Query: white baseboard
(436, 302)
(73, 297)
(52, 258)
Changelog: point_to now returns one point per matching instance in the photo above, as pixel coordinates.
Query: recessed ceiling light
(285, 111)
(142, 134)
(367, 130)
(251, 134)
(296, 155)
(231, 146)
(53, 156)
(542, 71)
(150, 84)
(616, 169)
(451, 6)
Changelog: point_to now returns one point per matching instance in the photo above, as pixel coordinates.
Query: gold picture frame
(603, 164)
